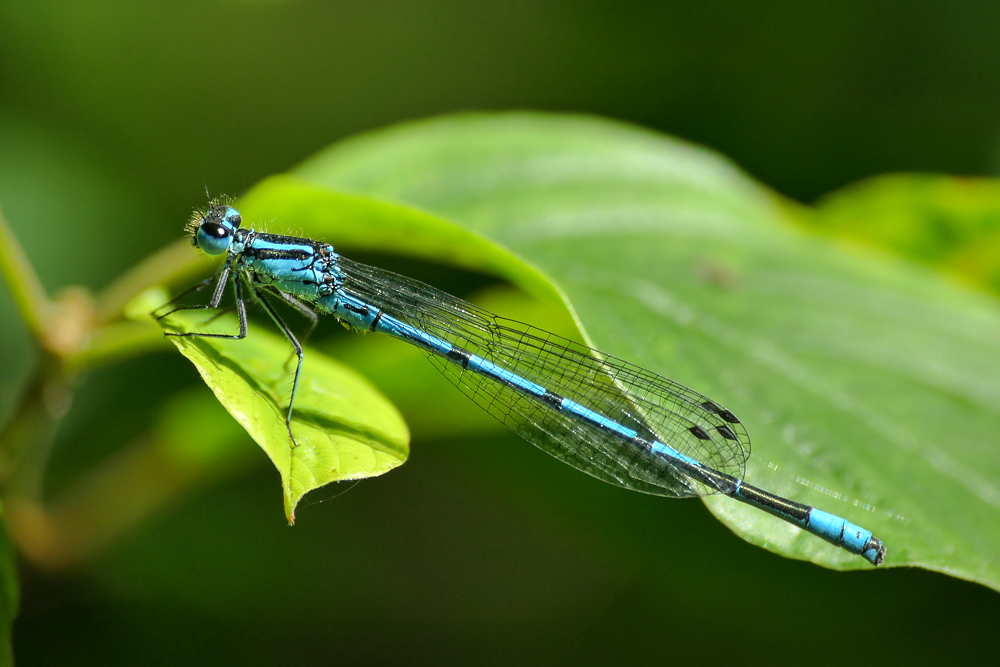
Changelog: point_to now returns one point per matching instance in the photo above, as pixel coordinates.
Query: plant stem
(26, 439)
(117, 494)
(117, 341)
(25, 286)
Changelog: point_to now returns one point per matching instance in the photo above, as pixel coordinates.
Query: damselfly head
(212, 230)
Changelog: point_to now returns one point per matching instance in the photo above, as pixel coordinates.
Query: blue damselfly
(618, 422)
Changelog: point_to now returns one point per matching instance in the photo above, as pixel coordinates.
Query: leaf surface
(345, 429)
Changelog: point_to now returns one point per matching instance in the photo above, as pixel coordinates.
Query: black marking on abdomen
(553, 399)
(459, 355)
(726, 432)
(699, 433)
(774, 504)
(362, 311)
(719, 481)
(378, 316)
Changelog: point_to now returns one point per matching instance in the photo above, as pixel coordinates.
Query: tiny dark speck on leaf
(720, 274)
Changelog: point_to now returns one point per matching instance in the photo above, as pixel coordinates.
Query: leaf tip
(290, 509)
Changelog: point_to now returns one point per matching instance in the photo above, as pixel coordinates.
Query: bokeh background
(115, 117)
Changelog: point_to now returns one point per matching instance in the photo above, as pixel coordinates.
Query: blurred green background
(115, 117)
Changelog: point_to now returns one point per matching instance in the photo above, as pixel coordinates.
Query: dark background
(115, 116)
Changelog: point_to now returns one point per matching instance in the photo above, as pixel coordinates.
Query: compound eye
(214, 230)
(213, 238)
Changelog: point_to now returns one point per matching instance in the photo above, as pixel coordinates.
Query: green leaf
(947, 222)
(868, 384)
(344, 428)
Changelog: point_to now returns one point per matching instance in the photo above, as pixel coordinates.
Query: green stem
(117, 341)
(25, 286)
(73, 336)
(26, 438)
(111, 498)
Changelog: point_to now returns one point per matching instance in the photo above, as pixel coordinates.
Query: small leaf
(344, 428)
(944, 221)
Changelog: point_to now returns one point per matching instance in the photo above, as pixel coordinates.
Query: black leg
(298, 352)
(304, 310)
(197, 288)
(220, 287)
(241, 309)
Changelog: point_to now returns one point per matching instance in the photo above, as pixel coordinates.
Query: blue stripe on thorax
(287, 264)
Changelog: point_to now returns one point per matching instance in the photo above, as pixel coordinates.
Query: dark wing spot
(729, 417)
(713, 409)
(699, 433)
(726, 432)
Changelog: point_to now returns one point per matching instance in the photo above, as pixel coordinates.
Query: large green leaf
(868, 385)
(344, 428)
